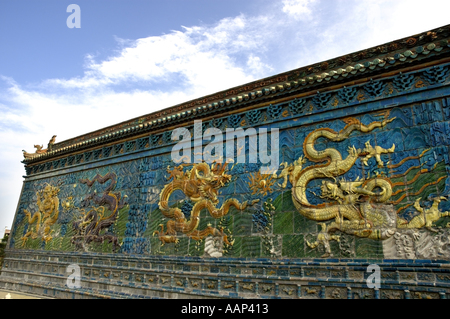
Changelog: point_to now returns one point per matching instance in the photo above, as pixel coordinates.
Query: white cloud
(196, 55)
(157, 72)
(143, 76)
(298, 8)
(256, 65)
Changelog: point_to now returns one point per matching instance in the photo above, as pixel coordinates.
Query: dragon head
(213, 179)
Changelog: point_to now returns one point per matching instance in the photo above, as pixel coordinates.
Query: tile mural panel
(372, 186)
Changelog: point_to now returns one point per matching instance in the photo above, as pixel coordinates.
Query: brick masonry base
(109, 276)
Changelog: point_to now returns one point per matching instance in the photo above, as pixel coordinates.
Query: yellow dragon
(356, 206)
(200, 185)
(427, 217)
(45, 217)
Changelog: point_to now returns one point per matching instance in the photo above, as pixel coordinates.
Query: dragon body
(362, 207)
(201, 185)
(90, 226)
(356, 206)
(45, 217)
(426, 217)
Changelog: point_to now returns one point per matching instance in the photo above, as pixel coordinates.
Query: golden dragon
(201, 185)
(45, 217)
(356, 206)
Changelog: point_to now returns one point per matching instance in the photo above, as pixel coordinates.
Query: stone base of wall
(112, 276)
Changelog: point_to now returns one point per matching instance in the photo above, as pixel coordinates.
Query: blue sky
(133, 57)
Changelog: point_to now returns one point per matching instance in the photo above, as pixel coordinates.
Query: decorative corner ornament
(39, 149)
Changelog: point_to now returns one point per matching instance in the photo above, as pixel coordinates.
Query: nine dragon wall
(116, 205)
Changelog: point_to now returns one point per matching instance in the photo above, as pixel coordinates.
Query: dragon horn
(224, 166)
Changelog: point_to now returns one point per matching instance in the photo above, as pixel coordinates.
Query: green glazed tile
(293, 246)
(283, 223)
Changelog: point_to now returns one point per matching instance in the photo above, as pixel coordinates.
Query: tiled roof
(363, 64)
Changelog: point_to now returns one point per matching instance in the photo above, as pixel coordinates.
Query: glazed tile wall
(107, 200)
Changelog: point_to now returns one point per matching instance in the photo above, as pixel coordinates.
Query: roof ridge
(369, 60)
